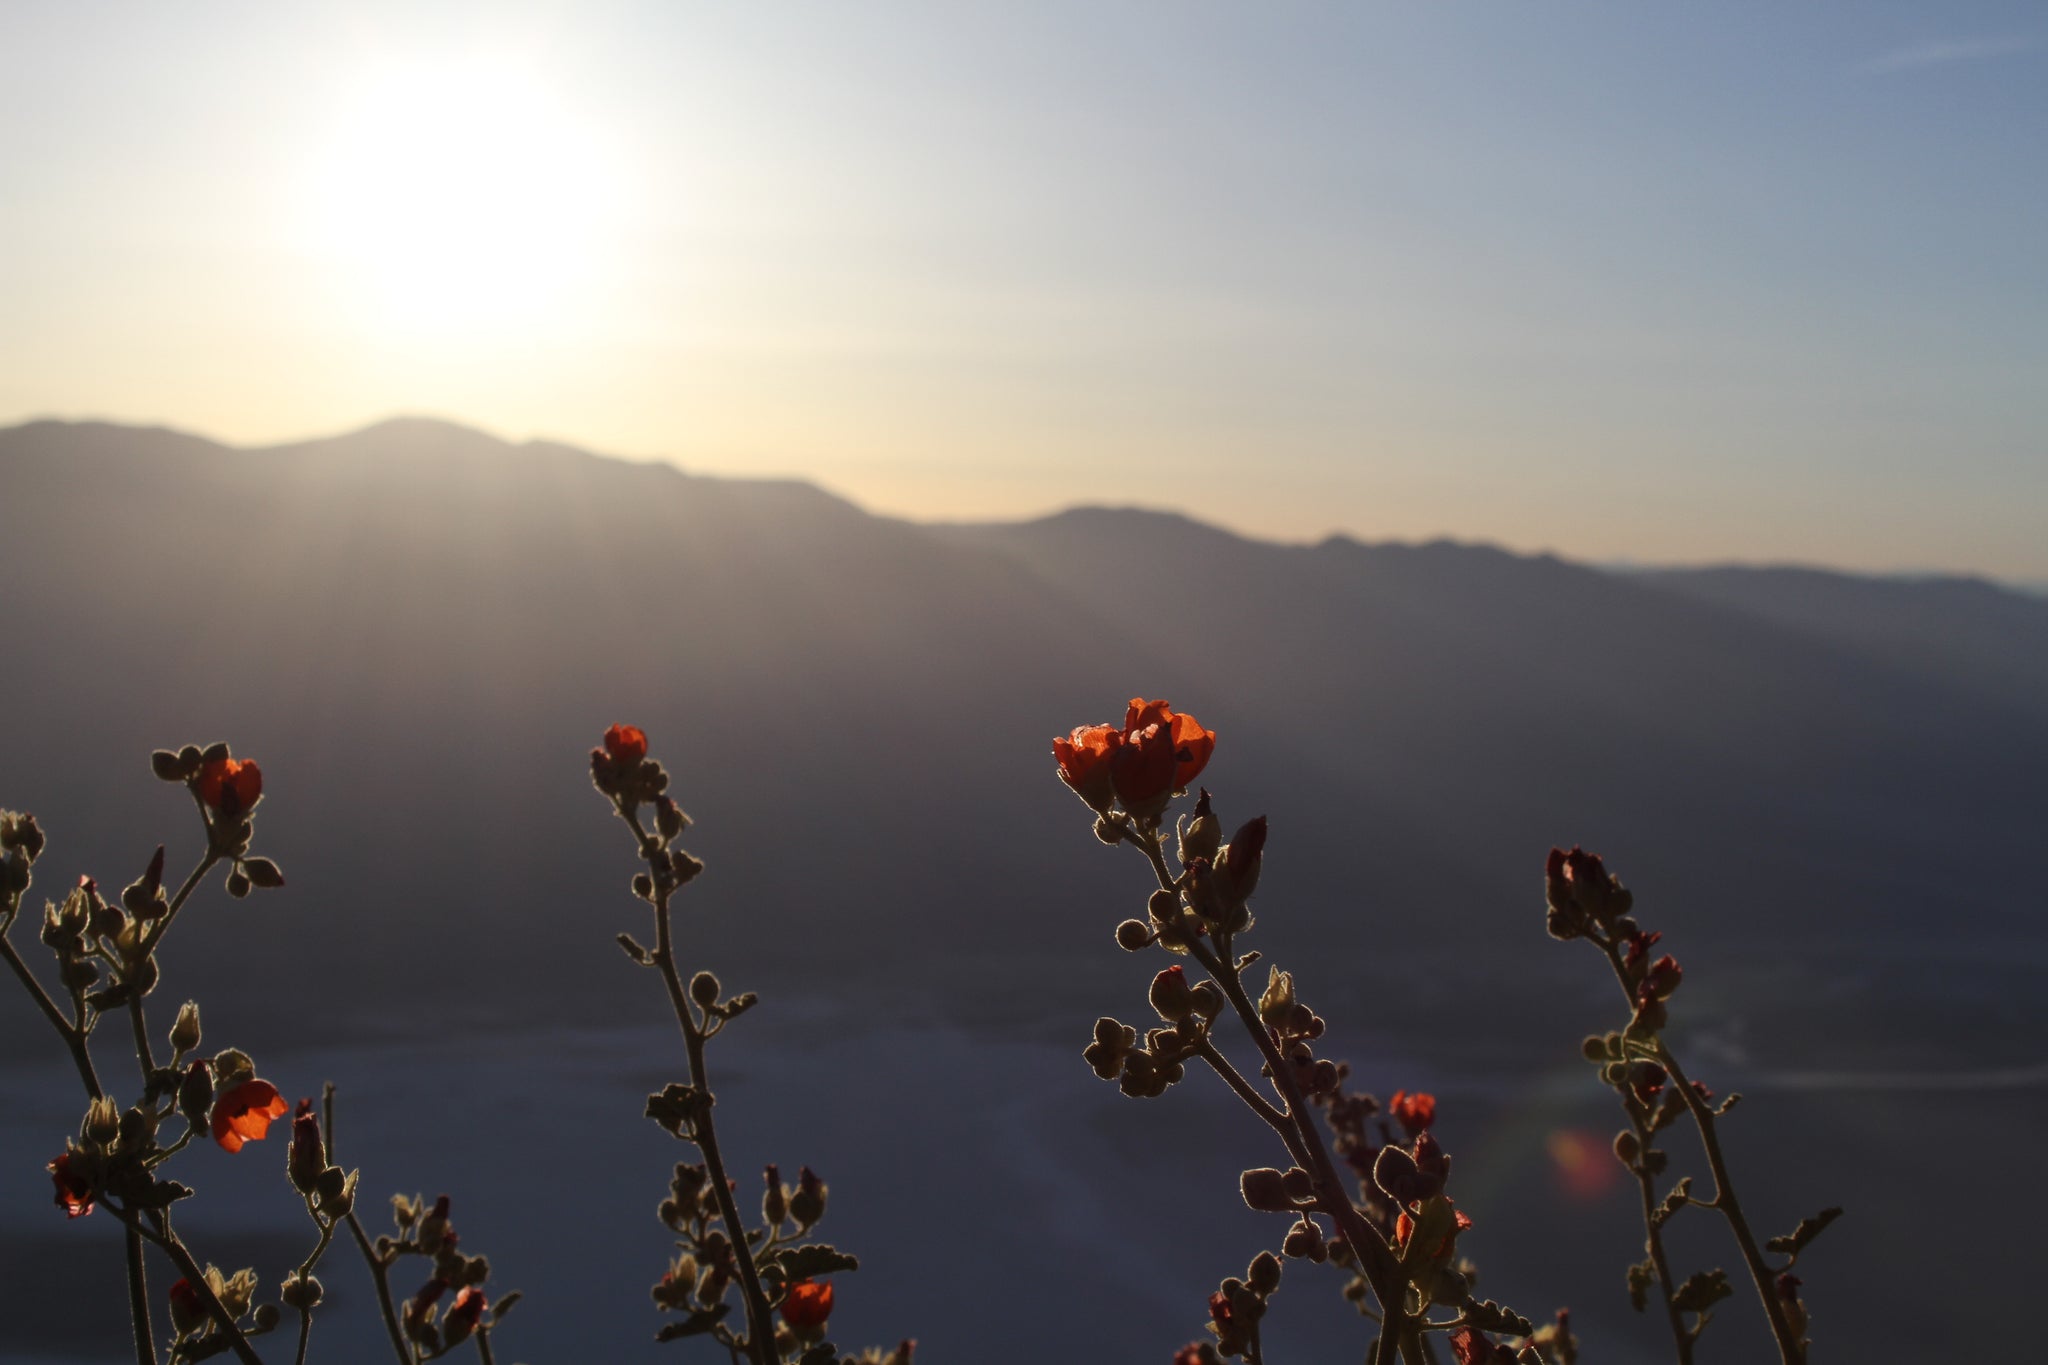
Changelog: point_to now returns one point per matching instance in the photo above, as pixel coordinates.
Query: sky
(1647, 281)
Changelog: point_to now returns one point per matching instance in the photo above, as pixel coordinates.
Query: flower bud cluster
(1581, 894)
(195, 1332)
(425, 1230)
(1144, 1070)
(227, 790)
(1235, 1310)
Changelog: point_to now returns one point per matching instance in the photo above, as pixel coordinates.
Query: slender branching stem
(305, 1270)
(1789, 1347)
(760, 1323)
(161, 1236)
(77, 1043)
(145, 1055)
(380, 1272)
(138, 1298)
(184, 893)
(73, 1036)
(1398, 1340)
(1254, 1101)
(1790, 1351)
(1653, 1240)
(483, 1346)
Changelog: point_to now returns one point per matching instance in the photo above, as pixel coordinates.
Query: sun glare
(460, 198)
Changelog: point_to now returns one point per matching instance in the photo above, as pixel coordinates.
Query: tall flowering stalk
(1399, 1238)
(775, 1271)
(1586, 901)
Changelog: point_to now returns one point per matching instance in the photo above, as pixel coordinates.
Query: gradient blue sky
(1658, 281)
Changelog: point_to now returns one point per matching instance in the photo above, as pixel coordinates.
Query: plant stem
(1254, 1101)
(74, 1037)
(1653, 1237)
(380, 1273)
(760, 1324)
(138, 1299)
(1789, 1350)
(306, 1268)
(191, 884)
(1377, 1262)
(1789, 1347)
(164, 1238)
(77, 1042)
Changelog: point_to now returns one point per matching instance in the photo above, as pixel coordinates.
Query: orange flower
(74, 1191)
(1084, 758)
(231, 785)
(1414, 1112)
(625, 744)
(807, 1304)
(242, 1113)
(1155, 754)
(1192, 745)
(1162, 752)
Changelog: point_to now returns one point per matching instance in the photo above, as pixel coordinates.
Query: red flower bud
(416, 1308)
(243, 1113)
(463, 1314)
(309, 1154)
(1171, 995)
(1471, 1348)
(1237, 874)
(74, 1191)
(188, 1310)
(1404, 1228)
(1646, 1081)
(1637, 950)
(1661, 980)
(230, 785)
(625, 744)
(1414, 1112)
(807, 1304)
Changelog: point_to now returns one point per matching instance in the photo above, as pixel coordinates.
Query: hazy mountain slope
(1965, 630)
(419, 629)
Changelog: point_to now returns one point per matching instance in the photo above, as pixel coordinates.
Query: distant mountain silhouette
(418, 629)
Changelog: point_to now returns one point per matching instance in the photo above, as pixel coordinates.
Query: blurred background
(1504, 427)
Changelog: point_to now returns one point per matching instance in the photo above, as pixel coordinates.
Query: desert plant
(1397, 1231)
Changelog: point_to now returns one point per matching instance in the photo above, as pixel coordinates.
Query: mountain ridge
(417, 637)
(447, 431)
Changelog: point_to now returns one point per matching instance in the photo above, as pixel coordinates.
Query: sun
(461, 197)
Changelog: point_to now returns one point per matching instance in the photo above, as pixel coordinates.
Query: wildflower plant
(781, 1279)
(1394, 1227)
(1585, 901)
(106, 960)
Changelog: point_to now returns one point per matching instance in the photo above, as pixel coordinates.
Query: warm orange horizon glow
(1539, 280)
